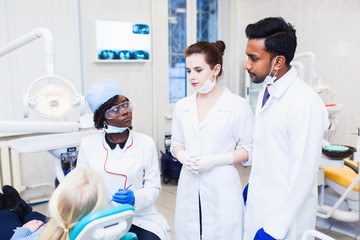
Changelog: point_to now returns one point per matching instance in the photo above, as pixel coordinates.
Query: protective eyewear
(118, 110)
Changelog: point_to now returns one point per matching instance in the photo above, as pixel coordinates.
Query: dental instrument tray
(338, 151)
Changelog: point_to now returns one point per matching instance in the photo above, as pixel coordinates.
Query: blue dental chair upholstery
(111, 224)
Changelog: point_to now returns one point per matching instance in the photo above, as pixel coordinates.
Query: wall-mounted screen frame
(118, 41)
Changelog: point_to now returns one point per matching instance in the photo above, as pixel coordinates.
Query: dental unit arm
(311, 66)
(49, 51)
(318, 84)
(63, 146)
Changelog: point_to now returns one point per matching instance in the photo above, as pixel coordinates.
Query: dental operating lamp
(29, 37)
(54, 96)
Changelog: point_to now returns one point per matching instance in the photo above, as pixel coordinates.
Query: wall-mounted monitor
(122, 41)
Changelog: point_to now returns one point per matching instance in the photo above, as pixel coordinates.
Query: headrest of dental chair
(112, 224)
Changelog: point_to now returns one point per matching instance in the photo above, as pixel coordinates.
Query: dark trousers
(143, 234)
(10, 220)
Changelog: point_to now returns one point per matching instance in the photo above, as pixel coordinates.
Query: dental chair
(339, 179)
(111, 224)
(339, 203)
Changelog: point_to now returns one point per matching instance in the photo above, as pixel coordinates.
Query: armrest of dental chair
(112, 223)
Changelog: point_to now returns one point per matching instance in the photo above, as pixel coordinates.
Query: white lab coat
(227, 126)
(136, 164)
(282, 195)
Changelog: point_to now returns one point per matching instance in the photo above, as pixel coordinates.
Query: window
(177, 43)
(206, 20)
(206, 30)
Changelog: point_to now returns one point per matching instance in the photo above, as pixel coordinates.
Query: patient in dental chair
(15, 212)
(82, 192)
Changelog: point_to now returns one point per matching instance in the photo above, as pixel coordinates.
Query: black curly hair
(99, 115)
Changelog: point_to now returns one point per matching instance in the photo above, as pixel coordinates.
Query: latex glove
(262, 235)
(187, 160)
(245, 192)
(124, 196)
(204, 163)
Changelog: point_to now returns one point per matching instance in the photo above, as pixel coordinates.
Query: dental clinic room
(179, 119)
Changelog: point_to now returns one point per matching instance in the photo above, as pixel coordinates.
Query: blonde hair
(80, 193)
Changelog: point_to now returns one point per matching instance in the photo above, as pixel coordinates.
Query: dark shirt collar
(113, 145)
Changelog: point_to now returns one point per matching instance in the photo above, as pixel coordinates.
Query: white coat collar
(279, 87)
(191, 104)
(276, 89)
(213, 114)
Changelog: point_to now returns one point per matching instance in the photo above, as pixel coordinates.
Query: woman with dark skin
(126, 160)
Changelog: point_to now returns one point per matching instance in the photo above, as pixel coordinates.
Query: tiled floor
(166, 203)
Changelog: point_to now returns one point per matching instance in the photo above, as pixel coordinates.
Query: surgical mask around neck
(112, 129)
(208, 86)
(269, 79)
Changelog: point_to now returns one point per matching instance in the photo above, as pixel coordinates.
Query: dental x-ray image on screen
(122, 41)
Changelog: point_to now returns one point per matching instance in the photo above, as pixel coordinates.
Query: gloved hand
(124, 196)
(262, 235)
(245, 192)
(187, 160)
(204, 163)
